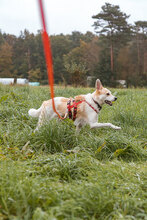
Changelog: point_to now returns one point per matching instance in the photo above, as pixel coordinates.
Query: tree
(1, 38)
(141, 27)
(102, 69)
(78, 73)
(40, 59)
(5, 60)
(86, 54)
(34, 75)
(140, 30)
(132, 59)
(61, 45)
(126, 64)
(112, 24)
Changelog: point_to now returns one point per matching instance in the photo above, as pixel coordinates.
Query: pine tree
(112, 24)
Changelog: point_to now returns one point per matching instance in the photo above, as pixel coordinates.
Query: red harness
(74, 105)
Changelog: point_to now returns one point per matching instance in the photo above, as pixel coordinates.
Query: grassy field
(102, 177)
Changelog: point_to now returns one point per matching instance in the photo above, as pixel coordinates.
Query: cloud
(63, 16)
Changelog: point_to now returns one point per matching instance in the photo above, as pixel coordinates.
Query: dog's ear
(98, 84)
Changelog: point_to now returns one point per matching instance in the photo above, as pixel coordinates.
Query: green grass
(98, 174)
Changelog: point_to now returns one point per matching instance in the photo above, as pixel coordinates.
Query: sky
(62, 16)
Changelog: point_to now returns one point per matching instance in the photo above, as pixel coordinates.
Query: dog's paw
(117, 128)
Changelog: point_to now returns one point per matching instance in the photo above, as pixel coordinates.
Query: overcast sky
(62, 16)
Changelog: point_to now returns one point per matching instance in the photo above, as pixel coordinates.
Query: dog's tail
(34, 112)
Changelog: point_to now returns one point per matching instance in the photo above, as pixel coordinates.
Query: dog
(83, 109)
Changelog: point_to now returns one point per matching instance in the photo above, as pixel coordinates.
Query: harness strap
(75, 104)
(91, 106)
(69, 109)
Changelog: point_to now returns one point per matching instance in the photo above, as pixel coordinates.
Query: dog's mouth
(108, 102)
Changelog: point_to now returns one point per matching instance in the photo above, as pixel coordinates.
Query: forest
(116, 50)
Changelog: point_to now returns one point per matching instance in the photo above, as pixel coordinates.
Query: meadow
(56, 174)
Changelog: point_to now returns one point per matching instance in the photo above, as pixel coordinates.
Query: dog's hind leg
(78, 128)
(47, 113)
(42, 117)
(79, 124)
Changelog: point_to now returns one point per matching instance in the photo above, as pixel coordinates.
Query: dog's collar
(98, 105)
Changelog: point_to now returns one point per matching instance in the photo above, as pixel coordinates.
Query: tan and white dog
(87, 109)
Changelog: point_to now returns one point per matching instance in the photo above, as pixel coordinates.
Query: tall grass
(98, 174)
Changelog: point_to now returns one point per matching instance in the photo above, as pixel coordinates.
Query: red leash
(48, 57)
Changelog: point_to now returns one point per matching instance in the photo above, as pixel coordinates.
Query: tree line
(117, 51)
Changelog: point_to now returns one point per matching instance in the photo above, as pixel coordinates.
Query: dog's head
(103, 95)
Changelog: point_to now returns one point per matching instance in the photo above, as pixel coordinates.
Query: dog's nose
(115, 99)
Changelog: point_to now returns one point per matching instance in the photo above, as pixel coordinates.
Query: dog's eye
(107, 93)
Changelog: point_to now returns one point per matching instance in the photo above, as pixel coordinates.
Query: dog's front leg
(103, 125)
